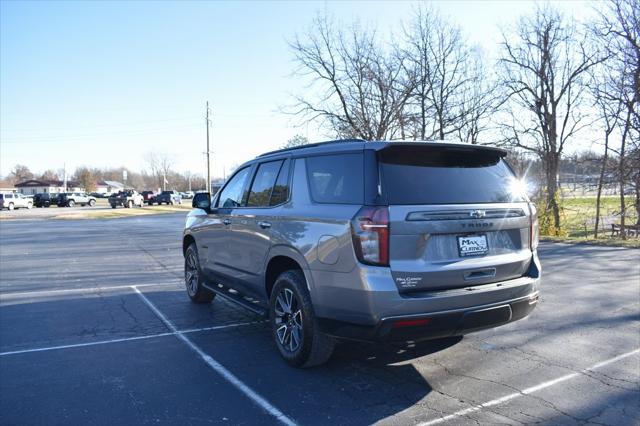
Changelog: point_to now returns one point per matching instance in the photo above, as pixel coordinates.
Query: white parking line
(80, 290)
(258, 399)
(127, 339)
(527, 391)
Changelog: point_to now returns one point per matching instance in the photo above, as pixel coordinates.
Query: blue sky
(101, 84)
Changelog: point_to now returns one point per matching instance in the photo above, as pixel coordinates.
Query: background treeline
(554, 86)
(152, 179)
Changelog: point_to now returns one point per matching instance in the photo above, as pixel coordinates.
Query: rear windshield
(446, 176)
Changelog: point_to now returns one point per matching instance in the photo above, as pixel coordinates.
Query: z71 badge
(408, 282)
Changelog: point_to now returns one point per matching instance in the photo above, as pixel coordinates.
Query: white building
(108, 186)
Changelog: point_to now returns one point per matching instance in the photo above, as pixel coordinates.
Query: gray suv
(374, 241)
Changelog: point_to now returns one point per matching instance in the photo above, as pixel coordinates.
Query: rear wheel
(294, 327)
(71, 203)
(193, 279)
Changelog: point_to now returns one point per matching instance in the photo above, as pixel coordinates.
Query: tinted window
(446, 176)
(231, 195)
(336, 178)
(263, 184)
(280, 192)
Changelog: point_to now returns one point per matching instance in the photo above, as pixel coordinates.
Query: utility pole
(208, 152)
(64, 165)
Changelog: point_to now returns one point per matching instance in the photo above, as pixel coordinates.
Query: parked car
(70, 199)
(127, 198)
(169, 197)
(375, 241)
(45, 199)
(149, 197)
(187, 195)
(14, 200)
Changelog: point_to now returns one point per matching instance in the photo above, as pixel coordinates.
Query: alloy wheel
(288, 320)
(191, 273)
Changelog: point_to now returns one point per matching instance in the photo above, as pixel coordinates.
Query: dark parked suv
(375, 241)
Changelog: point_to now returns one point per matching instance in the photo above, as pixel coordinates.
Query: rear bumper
(366, 305)
(433, 325)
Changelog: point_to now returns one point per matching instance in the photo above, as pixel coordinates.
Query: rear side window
(336, 179)
(263, 183)
(446, 176)
(280, 192)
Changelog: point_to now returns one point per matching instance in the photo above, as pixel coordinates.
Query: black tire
(130, 204)
(11, 206)
(71, 203)
(92, 203)
(193, 279)
(113, 206)
(313, 348)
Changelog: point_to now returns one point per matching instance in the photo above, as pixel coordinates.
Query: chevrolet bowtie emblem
(477, 214)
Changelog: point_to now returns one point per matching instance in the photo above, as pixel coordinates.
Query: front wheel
(92, 203)
(29, 206)
(293, 324)
(193, 279)
(11, 206)
(71, 203)
(130, 204)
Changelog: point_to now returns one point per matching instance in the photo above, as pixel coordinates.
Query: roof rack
(310, 145)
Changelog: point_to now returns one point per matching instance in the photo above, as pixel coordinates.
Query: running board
(238, 299)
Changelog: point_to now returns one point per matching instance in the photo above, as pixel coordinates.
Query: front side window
(231, 195)
(336, 179)
(262, 186)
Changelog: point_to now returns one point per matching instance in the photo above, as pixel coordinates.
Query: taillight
(370, 232)
(534, 234)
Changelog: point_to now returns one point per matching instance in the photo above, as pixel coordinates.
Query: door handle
(264, 225)
(227, 221)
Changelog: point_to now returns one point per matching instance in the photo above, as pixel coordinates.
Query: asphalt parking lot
(95, 328)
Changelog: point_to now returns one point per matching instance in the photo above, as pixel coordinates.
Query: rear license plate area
(472, 245)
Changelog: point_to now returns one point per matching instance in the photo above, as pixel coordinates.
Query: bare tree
(297, 140)
(49, 175)
(159, 164)
(618, 29)
(361, 88)
(438, 57)
(544, 65)
(86, 178)
(20, 173)
(608, 109)
(480, 100)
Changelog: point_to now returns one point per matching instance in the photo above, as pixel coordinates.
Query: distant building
(35, 186)
(108, 186)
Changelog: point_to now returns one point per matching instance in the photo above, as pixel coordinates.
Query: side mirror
(202, 200)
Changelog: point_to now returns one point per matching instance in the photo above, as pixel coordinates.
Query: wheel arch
(187, 240)
(283, 258)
